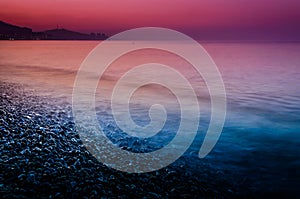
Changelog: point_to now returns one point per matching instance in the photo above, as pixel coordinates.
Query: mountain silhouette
(12, 32)
(9, 31)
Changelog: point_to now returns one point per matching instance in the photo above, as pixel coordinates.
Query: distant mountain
(9, 31)
(64, 34)
(12, 32)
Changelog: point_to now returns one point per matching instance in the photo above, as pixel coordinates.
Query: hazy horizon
(206, 20)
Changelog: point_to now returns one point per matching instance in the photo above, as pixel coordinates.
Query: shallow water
(260, 142)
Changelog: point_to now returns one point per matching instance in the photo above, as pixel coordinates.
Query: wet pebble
(42, 156)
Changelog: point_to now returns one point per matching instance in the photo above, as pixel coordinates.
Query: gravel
(42, 156)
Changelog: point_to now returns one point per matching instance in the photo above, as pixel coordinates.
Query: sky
(201, 19)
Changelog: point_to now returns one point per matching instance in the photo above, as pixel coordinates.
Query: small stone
(21, 176)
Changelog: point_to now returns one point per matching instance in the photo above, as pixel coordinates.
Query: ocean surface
(260, 141)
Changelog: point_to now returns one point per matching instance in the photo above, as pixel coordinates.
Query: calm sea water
(260, 141)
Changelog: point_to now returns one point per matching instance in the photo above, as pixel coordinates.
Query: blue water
(260, 144)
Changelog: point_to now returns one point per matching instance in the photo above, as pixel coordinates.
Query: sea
(260, 141)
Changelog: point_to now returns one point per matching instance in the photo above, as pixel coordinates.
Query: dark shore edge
(42, 157)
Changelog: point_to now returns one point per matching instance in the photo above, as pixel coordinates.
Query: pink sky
(207, 18)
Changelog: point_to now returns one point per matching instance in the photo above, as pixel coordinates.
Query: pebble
(43, 157)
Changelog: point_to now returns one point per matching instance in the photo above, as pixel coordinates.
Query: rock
(42, 156)
(21, 176)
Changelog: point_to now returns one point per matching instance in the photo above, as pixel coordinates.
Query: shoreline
(43, 157)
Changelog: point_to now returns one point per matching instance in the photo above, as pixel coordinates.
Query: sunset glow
(202, 19)
(150, 98)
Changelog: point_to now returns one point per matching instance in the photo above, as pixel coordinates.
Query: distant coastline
(13, 32)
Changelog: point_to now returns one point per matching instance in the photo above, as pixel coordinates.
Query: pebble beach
(42, 157)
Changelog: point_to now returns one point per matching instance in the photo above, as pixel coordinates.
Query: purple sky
(203, 19)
